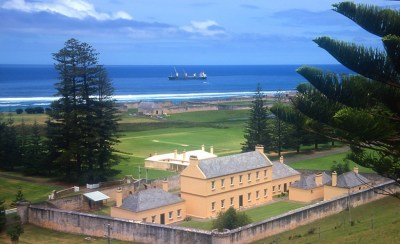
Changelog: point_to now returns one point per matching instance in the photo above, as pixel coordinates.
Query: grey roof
(215, 167)
(351, 179)
(281, 170)
(149, 199)
(308, 182)
(96, 196)
(148, 105)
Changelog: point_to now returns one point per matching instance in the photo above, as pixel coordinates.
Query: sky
(178, 32)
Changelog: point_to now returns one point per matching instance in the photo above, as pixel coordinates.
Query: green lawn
(36, 235)
(32, 191)
(325, 163)
(376, 222)
(256, 214)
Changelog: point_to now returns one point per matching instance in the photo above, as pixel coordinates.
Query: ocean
(24, 86)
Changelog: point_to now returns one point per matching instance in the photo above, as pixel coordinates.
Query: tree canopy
(360, 109)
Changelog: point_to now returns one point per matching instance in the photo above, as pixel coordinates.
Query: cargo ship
(202, 76)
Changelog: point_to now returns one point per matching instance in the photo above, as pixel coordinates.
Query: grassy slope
(376, 222)
(325, 163)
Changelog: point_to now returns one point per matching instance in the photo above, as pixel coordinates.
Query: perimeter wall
(94, 225)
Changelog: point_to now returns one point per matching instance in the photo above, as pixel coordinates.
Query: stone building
(152, 205)
(149, 108)
(243, 180)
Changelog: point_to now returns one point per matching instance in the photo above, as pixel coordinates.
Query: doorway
(240, 201)
(162, 219)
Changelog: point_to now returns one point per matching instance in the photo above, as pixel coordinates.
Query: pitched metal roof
(215, 167)
(96, 196)
(308, 182)
(351, 179)
(149, 199)
(281, 170)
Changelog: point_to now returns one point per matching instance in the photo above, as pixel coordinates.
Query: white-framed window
(170, 215)
(273, 188)
(279, 187)
(213, 206)
(257, 194)
(249, 196)
(257, 175)
(222, 203)
(249, 177)
(153, 219)
(265, 192)
(212, 185)
(232, 181)
(178, 213)
(231, 201)
(265, 173)
(240, 178)
(222, 183)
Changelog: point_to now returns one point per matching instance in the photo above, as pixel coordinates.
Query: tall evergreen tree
(2, 215)
(255, 131)
(363, 110)
(9, 147)
(82, 128)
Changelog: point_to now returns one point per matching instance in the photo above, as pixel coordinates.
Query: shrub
(340, 168)
(19, 110)
(230, 220)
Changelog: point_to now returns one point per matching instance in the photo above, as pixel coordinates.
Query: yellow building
(152, 205)
(309, 188)
(345, 184)
(243, 180)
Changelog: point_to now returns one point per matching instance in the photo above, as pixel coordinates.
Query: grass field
(33, 192)
(36, 235)
(256, 214)
(376, 222)
(325, 163)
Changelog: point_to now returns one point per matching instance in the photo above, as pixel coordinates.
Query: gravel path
(315, 154)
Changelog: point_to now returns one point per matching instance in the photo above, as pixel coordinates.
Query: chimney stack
(165, 186)
(118, 197)
(334, 178)
(281, 159)
(318, 179)
(175, 154)
(260, 148)
(183, 155)
(193, 160)
(355, 169)
(212, 149)
(202, 147)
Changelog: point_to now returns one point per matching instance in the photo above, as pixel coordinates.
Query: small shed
(95, 199)
(149, 108)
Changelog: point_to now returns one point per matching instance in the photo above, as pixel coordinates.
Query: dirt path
(315, 154)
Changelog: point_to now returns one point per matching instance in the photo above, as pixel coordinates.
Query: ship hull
(186, 78)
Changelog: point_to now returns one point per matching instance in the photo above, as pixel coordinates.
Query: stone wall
(93, 225)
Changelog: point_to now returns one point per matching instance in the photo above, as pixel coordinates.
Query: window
(178, 213)
(248, 177)
(170, 215)
(212, 185)
(273, 188)
(222, 203)
(213, 206)
(265, 173)
(153, 219)
(265, 192)
(279, 187)
(231, 181)
(257, 194)
(240, 178)
(231, 201)
(222, 183)
(144, 220)
(257, 175)
(248, 196)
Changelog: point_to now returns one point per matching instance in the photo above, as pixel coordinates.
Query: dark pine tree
(82, 128)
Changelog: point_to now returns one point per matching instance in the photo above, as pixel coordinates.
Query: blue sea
(33, 85)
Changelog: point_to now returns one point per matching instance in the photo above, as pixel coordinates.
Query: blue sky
(177, 31)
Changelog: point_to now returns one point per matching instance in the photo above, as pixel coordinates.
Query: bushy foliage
(340, 168)
(2, 215)
(19, 197)
(15, 230)
(231, 219)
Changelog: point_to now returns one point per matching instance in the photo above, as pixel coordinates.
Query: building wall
(153, 214)
(306, 195)
(331, 192)
(211, 192)
(278, 185)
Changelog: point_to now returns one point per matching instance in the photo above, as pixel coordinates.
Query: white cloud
(204, 28)
(78, 9)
